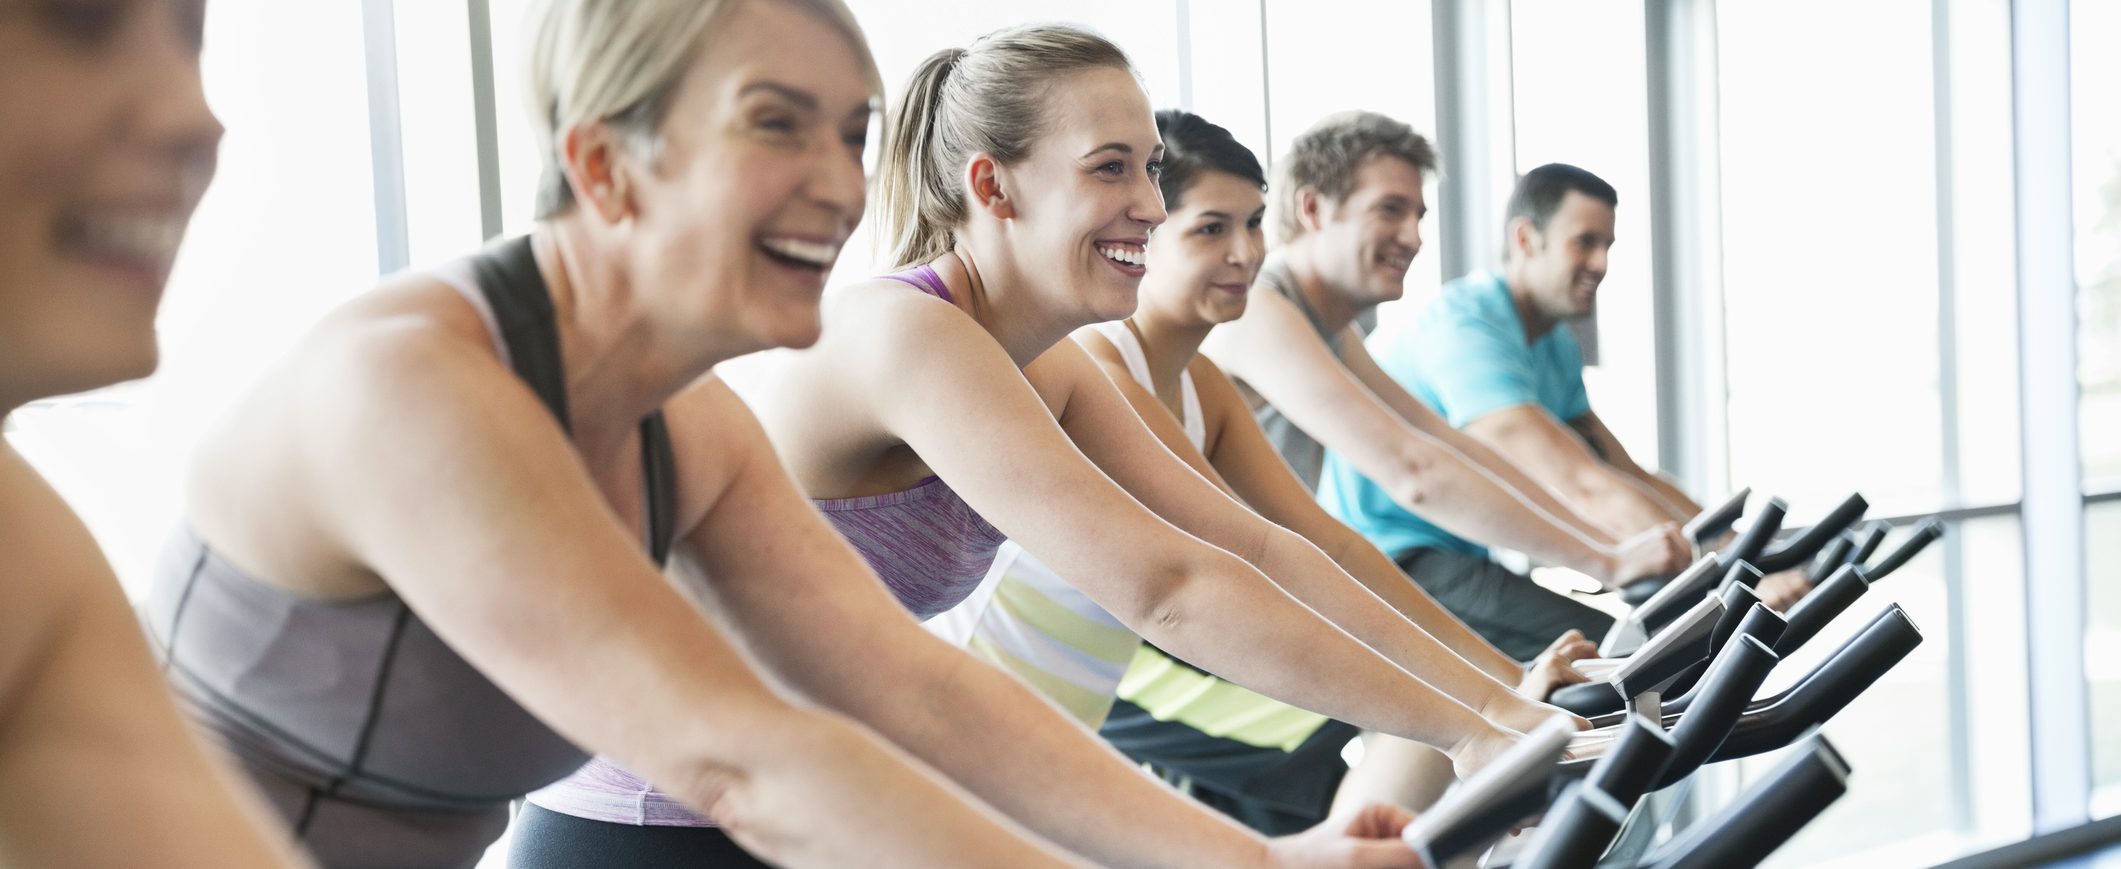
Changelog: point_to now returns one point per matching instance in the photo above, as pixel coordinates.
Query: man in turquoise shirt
(1473, 336)
(1487, 355)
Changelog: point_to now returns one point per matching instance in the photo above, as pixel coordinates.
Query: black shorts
(545, 839)
(1501, 605)
(1270, 790)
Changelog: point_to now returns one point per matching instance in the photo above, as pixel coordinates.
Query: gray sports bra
(377, 742)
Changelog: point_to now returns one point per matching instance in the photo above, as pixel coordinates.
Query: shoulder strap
(1130, 350)
(1276, 274)
(659, 478)
(522, 308)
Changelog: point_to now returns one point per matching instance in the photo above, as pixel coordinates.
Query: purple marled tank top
(930, 548)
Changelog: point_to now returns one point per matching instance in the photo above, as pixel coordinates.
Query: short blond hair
(620, 62)
(1326, 156)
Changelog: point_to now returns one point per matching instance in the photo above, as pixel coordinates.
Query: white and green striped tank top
(1028, 620)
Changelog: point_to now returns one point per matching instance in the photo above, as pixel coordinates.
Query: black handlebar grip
(1739, 574)
(1710, 524)
(1588, 699)
(1816, 610)
(1749, 545)
(1633, 763)
(1738, 599)
(1576, 832)
(1925, 534)
(1767, 815)
(1867, 542)
(1725, 691)
(1827, 689)
(1831, 558)
(1640, 591)
(1797, 549)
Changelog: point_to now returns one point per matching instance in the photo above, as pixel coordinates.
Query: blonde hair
(1326, 156)
(620, 62)
(964, 101)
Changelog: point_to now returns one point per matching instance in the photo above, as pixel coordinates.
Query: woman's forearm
(1382, 577)
(1311, 577)
(1020, 754)
(1224, 616)
(816, 790)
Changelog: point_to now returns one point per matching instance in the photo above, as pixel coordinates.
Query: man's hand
(1782, 590)
(1551, 669)
(1660, 552)
(1368, 839)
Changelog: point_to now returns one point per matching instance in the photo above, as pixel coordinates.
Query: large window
(1830, 250)
(2095, 83)
(2095, 86)
(2102, 640)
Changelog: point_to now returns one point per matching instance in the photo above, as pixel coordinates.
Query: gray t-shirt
(1304, 454)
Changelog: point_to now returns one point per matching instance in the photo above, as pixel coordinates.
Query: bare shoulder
(714, 436)
(396, 372)
(1220, 402)
(888, 316)
(53, 569)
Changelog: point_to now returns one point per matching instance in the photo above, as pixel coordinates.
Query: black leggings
(550, 840)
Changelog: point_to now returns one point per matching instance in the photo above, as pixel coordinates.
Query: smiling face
(106, 146)
(1368, 239)
(1204, 258)
(757, 180)
(1082, 204)
(1562, 266)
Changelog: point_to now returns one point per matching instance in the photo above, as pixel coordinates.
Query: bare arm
(88, 732)
(1529, 436)
(1103, 422)
(808, 607)
(559, 607)
(1249, 461)
(1274, 350)
(1593, 430)
(1360, 363)
(937, 381)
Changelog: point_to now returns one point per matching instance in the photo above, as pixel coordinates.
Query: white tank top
(1028, 620)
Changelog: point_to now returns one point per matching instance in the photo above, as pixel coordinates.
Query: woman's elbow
(1164, 605)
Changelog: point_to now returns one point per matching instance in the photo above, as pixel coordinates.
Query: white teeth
(1121, 254)
(814, 253)
(152, 238)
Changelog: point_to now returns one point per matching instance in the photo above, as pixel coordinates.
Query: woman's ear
(984, 186)
(591, 155)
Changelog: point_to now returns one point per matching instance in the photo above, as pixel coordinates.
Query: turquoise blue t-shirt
(1464, 356)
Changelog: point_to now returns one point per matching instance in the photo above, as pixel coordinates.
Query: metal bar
(1266, 91)
(1475, 130)
(484, 125)
(386, 138)
(1185, 54)
(1959, 721)
(1693, 439)
(2047, 347)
